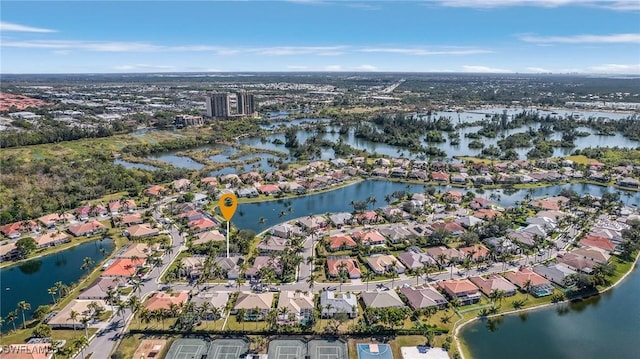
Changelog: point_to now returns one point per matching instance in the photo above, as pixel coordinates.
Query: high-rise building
(246, 105)
(218, 105)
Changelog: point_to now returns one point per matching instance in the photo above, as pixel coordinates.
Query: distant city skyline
(480, 36)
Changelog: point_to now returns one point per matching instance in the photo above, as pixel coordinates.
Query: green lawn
(233, 324)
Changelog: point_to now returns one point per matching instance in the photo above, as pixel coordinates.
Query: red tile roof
(164, 300)
(123, 267)
(337, 242)
(351, 267)
(598, 242)
(520, 277)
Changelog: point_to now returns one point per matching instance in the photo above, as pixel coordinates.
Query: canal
(31, 280)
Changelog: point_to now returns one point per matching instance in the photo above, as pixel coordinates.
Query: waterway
(31, 280)
(339, 200)
(606, 326)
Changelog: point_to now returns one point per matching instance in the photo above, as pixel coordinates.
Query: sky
(492, 36)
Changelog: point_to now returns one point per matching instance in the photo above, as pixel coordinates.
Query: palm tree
(52, 291)
(367, 277)
(86, 264)
(73, 316)
(240, 317)
(342, 273)
(418, 272)
(255, 312)
(328, 307)
(136, 285)
(85, 323)
(392, 268)
(24, 306)
(11, 318)
(527, 286)
(311, 280)
(80, 343)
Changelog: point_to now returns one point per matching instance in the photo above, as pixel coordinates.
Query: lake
(606, 326)
(31, 280)
(339, 200)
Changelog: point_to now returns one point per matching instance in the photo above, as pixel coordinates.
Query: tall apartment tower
(246, 105)
(218, 105)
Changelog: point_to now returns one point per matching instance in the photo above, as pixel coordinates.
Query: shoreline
(459, 343)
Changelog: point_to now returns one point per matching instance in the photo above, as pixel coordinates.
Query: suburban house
(138, 250)
(269, 189)
(299, 307)
(332, 302)
(370, 237)
(340, 219)
(255, 305)
(351, 267)
(593, 254)
(15, 230)
(141, 231)
(215, 299)
(492, 283)
(192, 266)
(414, 258)
(263, 261)
(231, 265)
(477, 252)
(156, 190)
(454, 228)
(577, 262)
(381, 299)
(448, 253)
(340, 242)
(423, 297)
(86, 229)
(99, 288)
(182, 184)
(81, 306)
(463, 289)
(8, 251)
(123, 267)
(479, 203)
(50, 220)
(382, 263)
(164, 300)
(395, 233)
(312, 222)
(127, 206)
(286, 230)
(129, 219)
(247, 192)
(539, 286)
(557, 273)
(209, 236)
(598, 242)
(270, 244)
(51, 239)
(201, 225)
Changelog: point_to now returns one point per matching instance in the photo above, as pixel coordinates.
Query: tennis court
(287, 349)
(374, 351)
(187, 349)
(228, 348)
(328, 349)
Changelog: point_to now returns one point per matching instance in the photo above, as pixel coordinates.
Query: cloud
(538, 70)
(423, 51)
(83, 45)
(333, 68)
(7, 26)
(584, 39)
(483, 69)
(615, 69)
(617, 5)
(365, 68)
(135, 67)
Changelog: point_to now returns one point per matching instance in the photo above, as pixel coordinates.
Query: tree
(42, 331)
(73, 316)
(52, 291)
(367, 277)
(80, 343)
(24, 306)
(527, 286)
(25, 246)
(11, 318)
(240, 317)
(87, 262)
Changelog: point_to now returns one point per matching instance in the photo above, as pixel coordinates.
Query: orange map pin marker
(228, 204)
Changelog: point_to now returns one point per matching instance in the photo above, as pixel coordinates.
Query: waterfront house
(312, 223)
(492, 283)
(557, 273)
(593, 254)
(340, 219)
(539, 286)
(463, 289)
(381, 299)
(87, 229)
(123, 267)
(51, 239)
(81, 306)
(299, 306)
(138, 250)
(286, 230)
(256, 305)
(332, 302)
(423, 297)
(270, 244)
(99, 288)
(598, 242)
